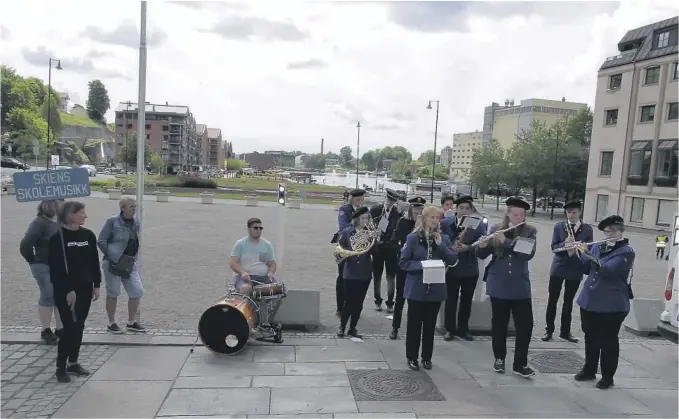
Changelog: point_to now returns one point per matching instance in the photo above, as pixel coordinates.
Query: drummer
(252, 259)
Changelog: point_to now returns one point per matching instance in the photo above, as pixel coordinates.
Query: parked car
(669, 317)
(12, 163)
(90, 169)
(62, 168)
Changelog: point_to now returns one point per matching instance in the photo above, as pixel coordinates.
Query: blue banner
(51, 184)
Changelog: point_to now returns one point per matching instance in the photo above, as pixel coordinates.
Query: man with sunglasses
(252, 259)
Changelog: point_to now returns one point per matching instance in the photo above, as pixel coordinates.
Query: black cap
(573, 204)
(360, 211)
(447, 197)
(514, 201)
(356, 192)
(417, 201)
(611, 221)
(392, 194)
(464, 199)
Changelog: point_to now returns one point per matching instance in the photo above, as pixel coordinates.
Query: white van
(670, 315)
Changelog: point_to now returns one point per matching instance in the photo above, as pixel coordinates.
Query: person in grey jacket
(33, 248)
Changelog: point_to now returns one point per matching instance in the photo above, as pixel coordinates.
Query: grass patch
(81, 121)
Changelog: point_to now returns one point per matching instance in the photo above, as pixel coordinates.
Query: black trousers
(421, 324)
(384, 258)
(74, 324)
(570, 289)
(601, 341)
(522, 310)
(339, 287)
(400, 301)
(659, 252)
(354, 294)
(462, 288)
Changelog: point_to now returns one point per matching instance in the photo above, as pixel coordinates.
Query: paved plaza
(187, 248)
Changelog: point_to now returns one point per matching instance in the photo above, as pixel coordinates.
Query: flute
(486, 238)
(576, 245)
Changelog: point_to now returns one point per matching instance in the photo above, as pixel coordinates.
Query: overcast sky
(281, 75)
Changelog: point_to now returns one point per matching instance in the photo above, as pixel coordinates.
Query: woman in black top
(75, 274)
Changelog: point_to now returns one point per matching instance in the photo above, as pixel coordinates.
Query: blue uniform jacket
(564, 266)
(414, 251)
(344, 216)
(468, 265)
(356, 268)
(508, 276)
(605, 290)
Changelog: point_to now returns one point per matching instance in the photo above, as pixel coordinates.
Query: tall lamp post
(556, 162)
(358, 147)
(436, 134)
(52, 62)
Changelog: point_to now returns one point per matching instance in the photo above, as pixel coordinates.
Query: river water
(349, 181)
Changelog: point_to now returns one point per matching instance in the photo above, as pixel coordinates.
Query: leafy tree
(235, 164)
(489, 169)
(440, 172)
(346, 158)
(156, 162)
(128, 153)
(98, 102)
(369, 159)
(315, 161)
(427, 157)
(54, 116)
(397, 153)
(573, 161)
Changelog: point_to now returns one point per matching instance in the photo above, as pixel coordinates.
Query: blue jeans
(41, 273)
(133, 286)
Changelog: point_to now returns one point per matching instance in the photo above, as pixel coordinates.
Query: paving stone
(217, 381)
(24, 394)
(274, 354)
(663, 403)
(205, 370)
(31, 371)
(12, 387)
(356, 352)
(17, 368)
(301, 381)
(27, 360)
(22, 379)
(540, 400)
(216, 402)
(8, 376)
(286, 401)
(366, 365)
(43, 362)
(149, 363)
(315, 368)
(14, 404)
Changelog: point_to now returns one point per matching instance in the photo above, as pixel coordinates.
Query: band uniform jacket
(564, 266)
(507, 274)
(413, 253)
(356, 268)
(404, 226)
(606, 289)
(377, 212)
(468, 265)
(343, 220)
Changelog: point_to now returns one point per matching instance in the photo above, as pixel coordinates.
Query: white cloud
(277, 75)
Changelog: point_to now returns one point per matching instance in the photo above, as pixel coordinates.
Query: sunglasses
(257, 228)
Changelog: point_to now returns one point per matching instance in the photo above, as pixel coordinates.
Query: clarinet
(430, 245)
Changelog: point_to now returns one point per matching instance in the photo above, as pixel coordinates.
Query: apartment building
(446, 156)
(462, 151)
(170, 130)
(633, 157)
(504, 123)
(214, 152)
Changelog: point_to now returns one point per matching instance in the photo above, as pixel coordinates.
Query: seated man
(252, 259)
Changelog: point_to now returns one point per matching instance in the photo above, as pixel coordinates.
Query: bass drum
(225, 327)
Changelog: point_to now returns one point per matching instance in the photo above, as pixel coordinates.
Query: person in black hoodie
(75, 274)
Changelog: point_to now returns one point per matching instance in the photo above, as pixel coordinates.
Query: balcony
(665, 181)
(637, 180)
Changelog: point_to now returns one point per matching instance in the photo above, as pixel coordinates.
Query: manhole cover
(556, 362)
(393, 385)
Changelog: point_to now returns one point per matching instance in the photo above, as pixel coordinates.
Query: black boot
(466, 336)
(48, 336)
(394, 334)
(569, 337)
(340, 331)
(583, 376)
(547, 337)
(604, 384)
(413, 365)
(77, 369)
(448, 337)
(62, 376)
(354, 333)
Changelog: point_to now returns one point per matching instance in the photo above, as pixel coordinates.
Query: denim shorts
(41, 273)
(133, 286)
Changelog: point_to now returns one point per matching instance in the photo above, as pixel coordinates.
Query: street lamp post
(358, 147)
(436, 134)
(127, 110)
(49, 105)
(556, 162)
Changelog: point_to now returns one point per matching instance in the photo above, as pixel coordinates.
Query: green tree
(98, 102)
(235, 164)
(315, 161)
(128, 153)
(156, 162)
(50, 112)
(572, 165)
(346, 158)
(369, 159)
(427, 157)
(489, 169)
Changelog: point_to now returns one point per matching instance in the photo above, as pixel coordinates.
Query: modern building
(504, 123)
(214, 152)
(462, 151)
(446, 156)
(282, 158)
(259, 161)
(64, 100)
(633, 157)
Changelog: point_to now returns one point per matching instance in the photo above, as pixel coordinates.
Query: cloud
(40, 56)
(5, 33)
(301, 65)
(126, 34)
(254, 28)
(205, 5)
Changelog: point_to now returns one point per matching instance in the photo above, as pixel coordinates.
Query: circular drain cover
(393, 385)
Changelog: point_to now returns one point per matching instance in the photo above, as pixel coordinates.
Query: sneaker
(547, 337)
(62, 376)
(426, 364)
(394, 334)
(135, 327)
(499, 366)
(466, 336)
(77, 369)
(390, 310)
(48, 336)
(568, 337)
(582, 376)
(604, 384)
(413, 365)
(448, 337)
(114, 328)
(340, 331)
(354, 334)
(378, 307)
(524, 371)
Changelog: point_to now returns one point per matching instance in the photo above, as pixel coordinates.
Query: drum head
(224, 329)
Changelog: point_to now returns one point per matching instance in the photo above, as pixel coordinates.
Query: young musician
(424, 300)
(357, 196)
(356, 274)
(385, 216)
(566, 269)
(447, 202)
(461, 280)
(604, 300)
(508, 283)
(404, 226)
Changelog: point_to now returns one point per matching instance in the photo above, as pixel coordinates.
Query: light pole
(358, 147)
(436, 134)
(49, 105)
(556, 162)
(127, 110)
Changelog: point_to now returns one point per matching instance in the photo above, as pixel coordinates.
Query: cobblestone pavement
(186, 252)
(29, 388)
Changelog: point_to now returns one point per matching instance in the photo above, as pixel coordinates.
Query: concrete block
(163, 196)
(207, 198)
(294, 203)
(10, 189)
(300, 308)
(644, 315)
(479, 320)
(251, 201)
(115, 194)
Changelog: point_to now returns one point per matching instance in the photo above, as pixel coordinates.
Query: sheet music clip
(524, 245)
(433, 271)
(470, 222)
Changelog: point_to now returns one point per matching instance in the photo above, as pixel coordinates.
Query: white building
(633, 158)
(464, 145)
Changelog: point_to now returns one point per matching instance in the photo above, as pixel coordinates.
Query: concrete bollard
(207, 198)
(251, 201)
(644, 316)
(10, 189)
(163, 196)
(294, 203)
(115, 194)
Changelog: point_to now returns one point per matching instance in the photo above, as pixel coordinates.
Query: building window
(606, 165)
(148, 126)
(148, 136)
(637, 212)
(601, 207)
(640, 163)
(666, 165)
(673, 111)
(615, 81)
(611, 117)
(129, 126)
(663, 39)
(652, 75)
(675, 71)
(648, 113)
(666, 211)
(166, 128)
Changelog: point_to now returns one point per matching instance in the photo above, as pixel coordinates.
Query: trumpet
(486, 238)
(577, 245)
(571, 236)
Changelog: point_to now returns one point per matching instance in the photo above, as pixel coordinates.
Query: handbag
(122, 268)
